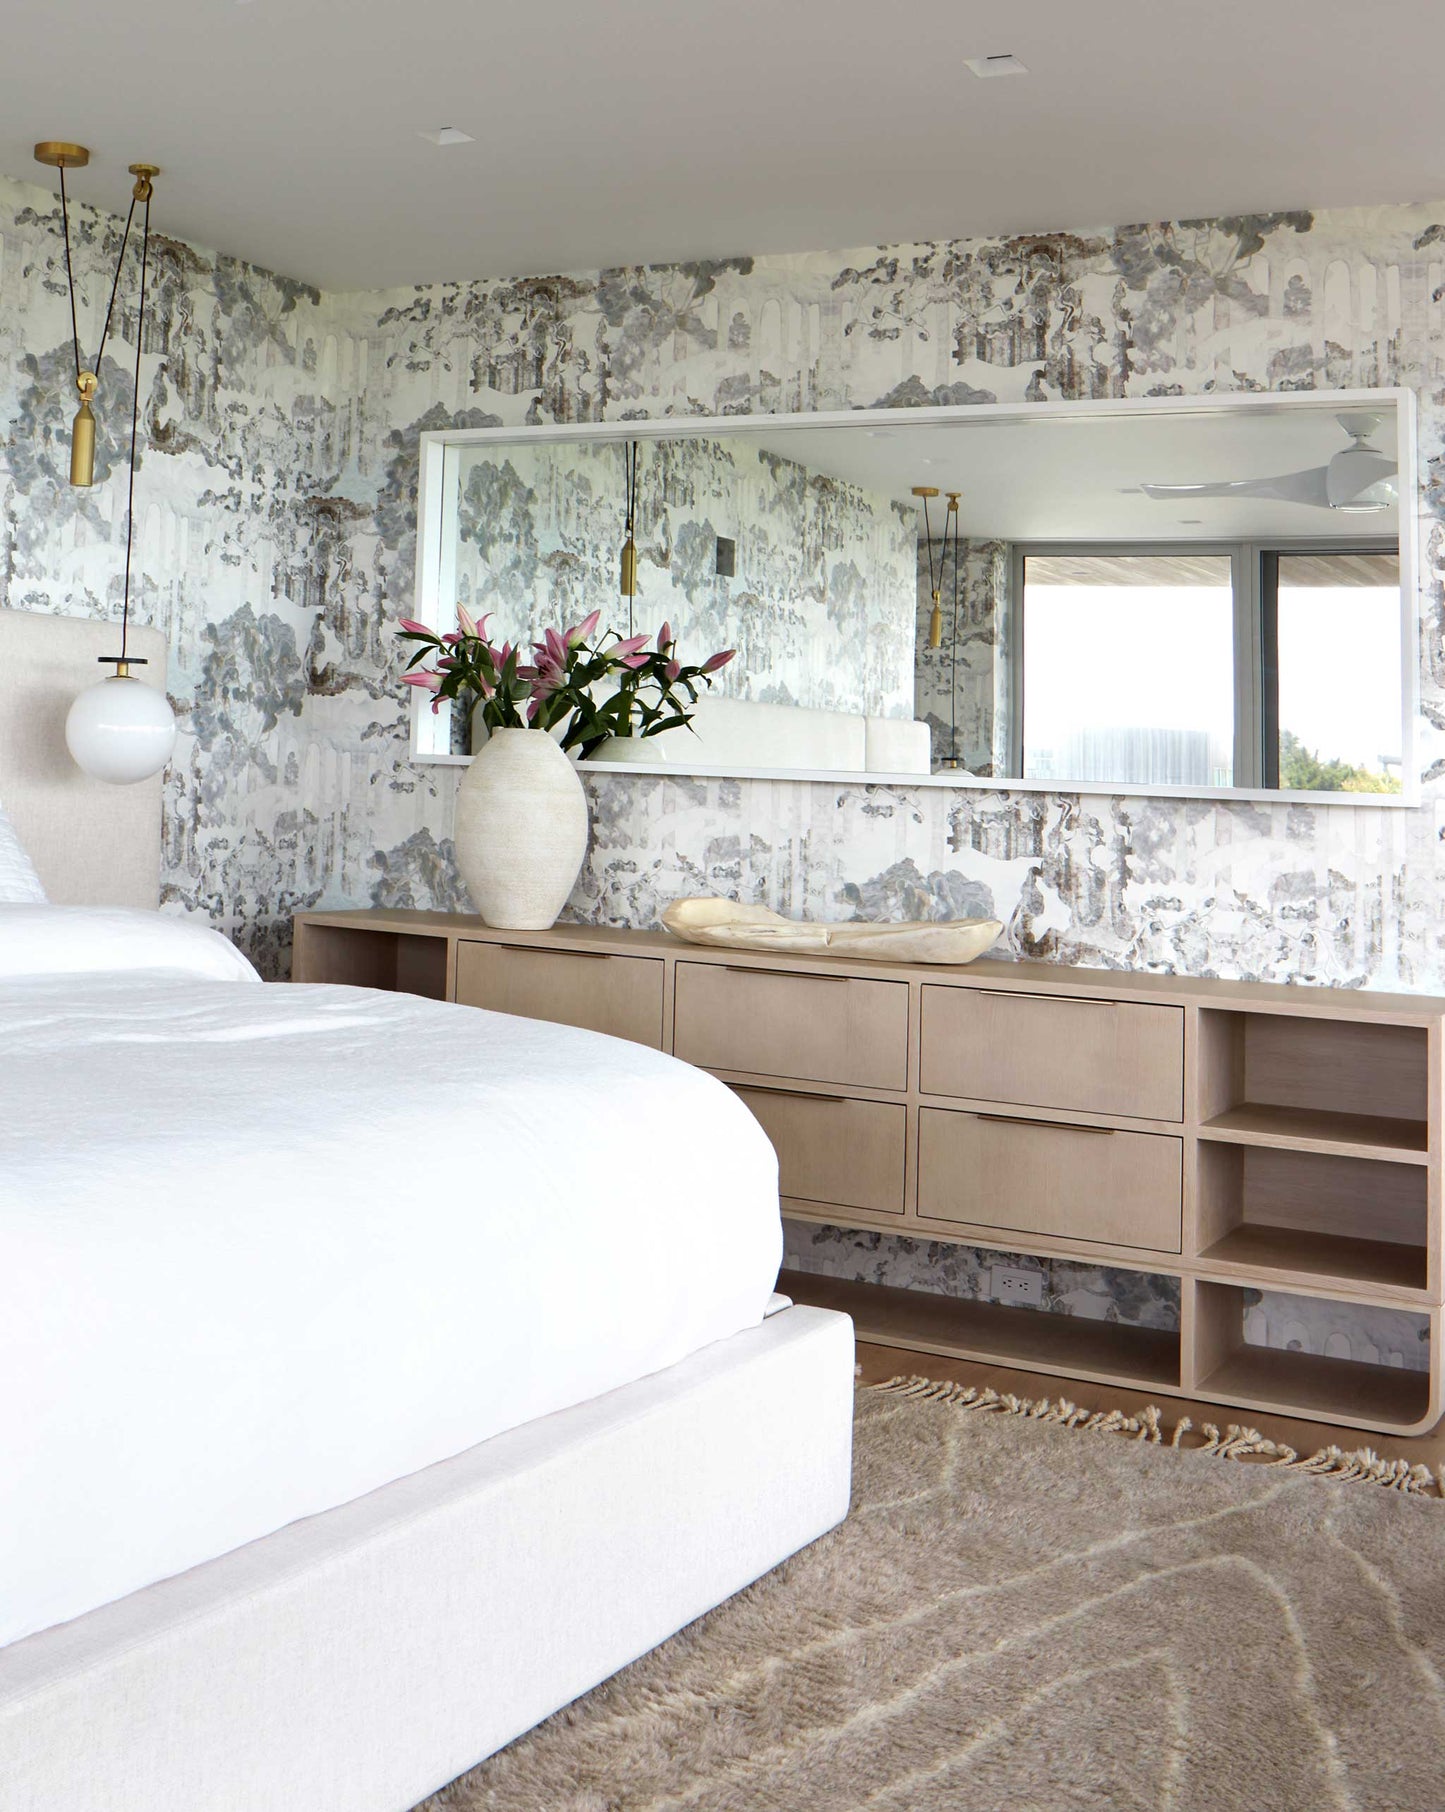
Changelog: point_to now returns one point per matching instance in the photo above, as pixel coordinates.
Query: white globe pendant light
(120, 730)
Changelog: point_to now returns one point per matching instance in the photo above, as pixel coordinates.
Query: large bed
(377, 1374)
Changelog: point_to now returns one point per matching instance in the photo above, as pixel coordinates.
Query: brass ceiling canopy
(61, 155)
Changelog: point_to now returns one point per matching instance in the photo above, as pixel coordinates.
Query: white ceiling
(645, 130)
(1077, 477)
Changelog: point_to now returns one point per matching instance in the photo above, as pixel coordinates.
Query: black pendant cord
(70, 278)
(953, 652)
(140, 321)
(69, 274)
(115, 281)
(934, 584)
(630, 453)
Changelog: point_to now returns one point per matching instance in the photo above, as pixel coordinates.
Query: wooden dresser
(1236, 1136)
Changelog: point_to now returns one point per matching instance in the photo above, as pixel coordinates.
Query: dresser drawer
(768, 1022)
(617, 994)
(1069, 1052)
(1035, 1176)
(838, 1153)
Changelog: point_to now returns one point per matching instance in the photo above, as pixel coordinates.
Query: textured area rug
(1026, 1613)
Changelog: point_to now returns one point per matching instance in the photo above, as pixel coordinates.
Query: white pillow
(113, 940)
(19, 883)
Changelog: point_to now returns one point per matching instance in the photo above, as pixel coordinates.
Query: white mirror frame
(426, 736)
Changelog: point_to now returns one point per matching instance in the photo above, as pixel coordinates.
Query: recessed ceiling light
(878, 434)
(1007, 64)
(446, 135)
(1191, 521)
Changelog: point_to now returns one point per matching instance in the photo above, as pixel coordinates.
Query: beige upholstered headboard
(93, 844)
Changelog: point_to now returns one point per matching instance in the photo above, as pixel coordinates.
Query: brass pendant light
(935, 579)
(119, 730)
(628, 585)
(59, 154)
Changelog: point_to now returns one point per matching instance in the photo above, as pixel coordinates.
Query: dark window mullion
(1269, 664)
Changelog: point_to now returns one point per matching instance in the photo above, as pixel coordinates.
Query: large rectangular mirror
(1202, 596)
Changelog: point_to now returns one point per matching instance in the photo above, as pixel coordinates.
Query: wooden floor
(880, 1362)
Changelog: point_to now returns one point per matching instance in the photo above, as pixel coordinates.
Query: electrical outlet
(1023, 1289)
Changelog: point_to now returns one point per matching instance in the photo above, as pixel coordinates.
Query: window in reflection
(1129, 669)
(1334, 692)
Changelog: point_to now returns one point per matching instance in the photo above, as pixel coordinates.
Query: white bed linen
(19, 883)
(108, 940)
(265, 1249)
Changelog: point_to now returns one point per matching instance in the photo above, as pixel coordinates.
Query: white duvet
(263, 1249)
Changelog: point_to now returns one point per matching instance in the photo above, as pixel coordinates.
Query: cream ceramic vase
(646, 749)
(521, 829)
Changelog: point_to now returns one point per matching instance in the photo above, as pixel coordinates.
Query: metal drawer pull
(595, 956)
(1077, 1000)
(793, 1094)
(1053, 1125)
(791, 974)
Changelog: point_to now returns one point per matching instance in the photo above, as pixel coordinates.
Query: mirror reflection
(1202, 599)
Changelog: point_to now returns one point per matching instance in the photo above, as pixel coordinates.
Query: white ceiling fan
(1360, 478)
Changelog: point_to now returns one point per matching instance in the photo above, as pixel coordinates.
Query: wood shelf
(1314, 1129)
(1072, 1345)
(1329, 1390)
(1283, 1254)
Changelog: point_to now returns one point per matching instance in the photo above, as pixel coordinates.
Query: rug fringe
(1362, 1466)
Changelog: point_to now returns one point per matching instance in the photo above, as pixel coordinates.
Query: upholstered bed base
(356, 1661)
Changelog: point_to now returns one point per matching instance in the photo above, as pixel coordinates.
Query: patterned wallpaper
(278, 537)
(820, 607)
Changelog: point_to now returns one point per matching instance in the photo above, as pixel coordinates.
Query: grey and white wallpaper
(278, 527)
(820, 606)
(961, 688)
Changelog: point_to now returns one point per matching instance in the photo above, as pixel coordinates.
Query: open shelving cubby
(400, 961)
(1314, 1084)
(1073, 1346)
(1313, 1164)
(1227, 1366)
(1345, 1221)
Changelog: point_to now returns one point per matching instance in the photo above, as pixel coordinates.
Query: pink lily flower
(432, 681)
(720, 659)
(629, 645)
(452, 637)
(467, 621)
(579, 632)
(664, 638)
(673, 669)
(634, 661)
(415, 627)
